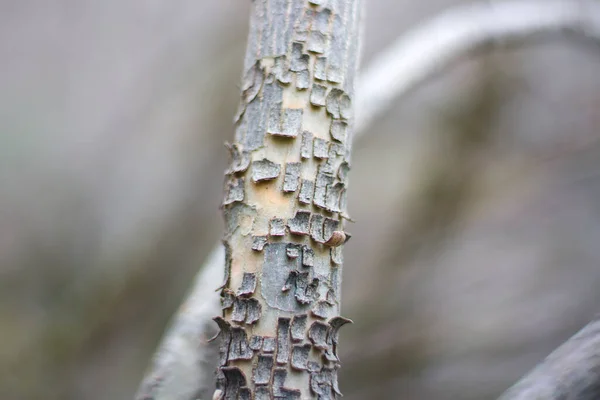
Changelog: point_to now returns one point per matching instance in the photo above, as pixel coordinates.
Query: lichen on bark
(285, 200)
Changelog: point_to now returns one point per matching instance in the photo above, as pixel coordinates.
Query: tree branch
(442, 41)
(176, 371)
(571, 372)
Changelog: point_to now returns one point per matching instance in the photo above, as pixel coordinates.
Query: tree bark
(285, 204)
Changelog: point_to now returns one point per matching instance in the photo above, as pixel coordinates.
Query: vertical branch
(285, 202)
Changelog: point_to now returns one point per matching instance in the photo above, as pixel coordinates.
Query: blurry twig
(460, 31)
(177, 368)
(572, 371)
(176, 371)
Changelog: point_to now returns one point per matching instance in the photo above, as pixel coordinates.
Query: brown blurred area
(476, 199)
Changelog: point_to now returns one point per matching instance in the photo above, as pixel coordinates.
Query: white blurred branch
(571, 372)
(461, 31)
(176, 372)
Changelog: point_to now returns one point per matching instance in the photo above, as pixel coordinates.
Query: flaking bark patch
(283, 340)
(298, 327)
(262, 393)
(338, 130)
(329, 227)
(308, 257)
(343, 170)
(281, 70)
(300, 356)
(320, 148)
(256, 342)
(290, 282)
(306, 288)
(307, 190)
(225, 335)
(253, 311)
(293, 250)
(317, 42)
(333, 335)
(248, 285)
(318, 334)
(300, 224)
(240, 160)
(321, 309)
(321, 21)
(239, 310)
(292, 177)
(321, 383)
(300, 60)
(333, 197)
(337, 256)
(277, 227)
(259, 242)
(265, 170)
(235, 380)
(234, 191)
(318, 95)
(323, 180)
(302, 80)
(316, 228)
(269, 344)
(277, 267)
(338, 104)
(238, 347)
(227, 299)
(245, 394)
(292, 122)
(279, 389)
(262, 371)
(320, 70)
(306, 145)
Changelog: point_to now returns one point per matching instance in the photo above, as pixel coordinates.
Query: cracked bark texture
(285, 202)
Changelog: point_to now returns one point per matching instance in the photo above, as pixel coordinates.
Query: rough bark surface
(285, 204)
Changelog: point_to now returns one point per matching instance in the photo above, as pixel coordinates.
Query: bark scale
(285, 202)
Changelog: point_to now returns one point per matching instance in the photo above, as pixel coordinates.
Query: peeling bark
(284, 202)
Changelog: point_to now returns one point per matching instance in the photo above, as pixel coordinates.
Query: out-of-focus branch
(571, 372)
(176, 372)
(463, 30)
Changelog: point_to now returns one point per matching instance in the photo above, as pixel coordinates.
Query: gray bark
(285, 205)
(571, 372)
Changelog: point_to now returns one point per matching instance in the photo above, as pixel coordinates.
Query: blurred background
(475, 250)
